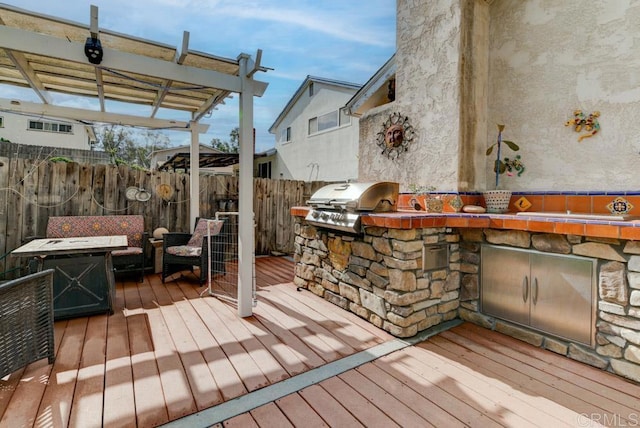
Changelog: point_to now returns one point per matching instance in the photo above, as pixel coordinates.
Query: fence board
(85, 178)
(14, 210)
(97, 189)
(33, 190)
(5, 197)
(30, 201)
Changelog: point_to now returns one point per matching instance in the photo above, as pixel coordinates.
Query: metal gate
(222, 278)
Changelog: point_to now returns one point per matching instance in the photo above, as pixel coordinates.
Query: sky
(335, 39)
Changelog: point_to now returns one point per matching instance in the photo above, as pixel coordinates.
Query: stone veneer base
(379, 277)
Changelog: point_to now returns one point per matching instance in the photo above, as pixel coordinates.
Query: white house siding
(465, 65)
(16, 129)
(329, 155)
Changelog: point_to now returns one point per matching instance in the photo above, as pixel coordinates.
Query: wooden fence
(32, 190)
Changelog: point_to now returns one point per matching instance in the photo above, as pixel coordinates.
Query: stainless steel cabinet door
(505, 283)
(562, 296)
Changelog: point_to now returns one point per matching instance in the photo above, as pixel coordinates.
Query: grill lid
(377, 196)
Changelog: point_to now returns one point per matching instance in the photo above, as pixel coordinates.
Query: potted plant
(497, 201)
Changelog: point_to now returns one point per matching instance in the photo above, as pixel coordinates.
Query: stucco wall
(526, 64)
(427, 92)
(327, 155)
(548, 58)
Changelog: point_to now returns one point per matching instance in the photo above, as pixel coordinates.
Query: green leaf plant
(508, 165)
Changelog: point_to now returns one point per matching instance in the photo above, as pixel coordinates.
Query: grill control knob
(324, 216)
(315, 214)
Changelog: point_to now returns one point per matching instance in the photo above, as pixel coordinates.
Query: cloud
(335, 39)
(348, 21)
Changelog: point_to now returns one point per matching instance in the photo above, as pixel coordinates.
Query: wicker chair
(26, 321)
(182, 251)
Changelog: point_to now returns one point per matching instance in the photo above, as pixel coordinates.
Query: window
(264, 170)
(285, 135)
(40, 125)
(311, 89)
(330, 120)
(1, 122)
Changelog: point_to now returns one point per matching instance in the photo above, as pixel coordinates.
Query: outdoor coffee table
(83, 281)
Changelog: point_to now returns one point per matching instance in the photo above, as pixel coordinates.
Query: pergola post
(194, 177)
(245, 208)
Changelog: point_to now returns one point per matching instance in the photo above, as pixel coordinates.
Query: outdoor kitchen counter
(629, 230)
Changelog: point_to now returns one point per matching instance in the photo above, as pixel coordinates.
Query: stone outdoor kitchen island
(379, 275)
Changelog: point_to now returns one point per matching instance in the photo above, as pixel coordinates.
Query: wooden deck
(466, 376)
(168, 353)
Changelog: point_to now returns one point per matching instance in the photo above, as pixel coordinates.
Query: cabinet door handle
(534, 291)
(525, 288)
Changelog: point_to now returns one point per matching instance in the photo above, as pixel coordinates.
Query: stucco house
(32, 135)
(315, 137)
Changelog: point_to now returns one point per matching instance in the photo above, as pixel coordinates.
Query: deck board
(299, 413)
(529, 404)
(90, 381)
(58, 395)
(396, 387)
(582, 375)
(590, 401)
(270, 416)
(167, 352)
(328, 408)
(120, 410)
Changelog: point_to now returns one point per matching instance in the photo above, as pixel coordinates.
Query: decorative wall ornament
(396, 135)
(587, 124)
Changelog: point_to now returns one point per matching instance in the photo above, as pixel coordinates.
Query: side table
(157, 254)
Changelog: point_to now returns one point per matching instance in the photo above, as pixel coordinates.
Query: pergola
(49, 54)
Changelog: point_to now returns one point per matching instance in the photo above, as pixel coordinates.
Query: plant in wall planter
(497, 201)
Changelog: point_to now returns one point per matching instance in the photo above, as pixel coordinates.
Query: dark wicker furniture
(26, 321)
(172, 263)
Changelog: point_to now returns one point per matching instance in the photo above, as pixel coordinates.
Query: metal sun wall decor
(587, 124)
(396, 135)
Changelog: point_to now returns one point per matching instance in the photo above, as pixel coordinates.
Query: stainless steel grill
(339, 206)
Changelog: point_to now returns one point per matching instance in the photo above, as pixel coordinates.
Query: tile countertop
(629, 229)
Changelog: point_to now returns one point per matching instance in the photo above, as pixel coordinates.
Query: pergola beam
(29, 75)
(27, 72)
(207, 105)
(94, 30)
(97, 116)
(16, 39)
(100, 87)
(167, 83)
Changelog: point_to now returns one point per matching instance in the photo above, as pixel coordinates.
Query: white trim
(94, 116)
(39, 44)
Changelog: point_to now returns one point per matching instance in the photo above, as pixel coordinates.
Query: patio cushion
(71, 226)
(185, 251)
(130, 251)
(201, 231)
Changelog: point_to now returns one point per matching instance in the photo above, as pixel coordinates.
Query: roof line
(298, 93)
(372, 85)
